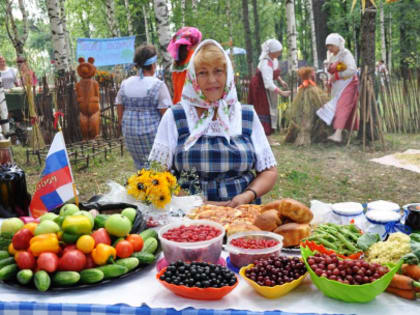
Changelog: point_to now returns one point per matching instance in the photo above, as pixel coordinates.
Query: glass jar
(6, 156)
(413, 218)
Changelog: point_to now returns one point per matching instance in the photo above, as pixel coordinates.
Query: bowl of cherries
(348, 280)
(275, 276)
(195, 240)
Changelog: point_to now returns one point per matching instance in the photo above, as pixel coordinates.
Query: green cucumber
(42, 280)
(113, 270)
(144, 258)
(8, 272)
(150, 245)
(131, 262)
(4, 254)
(24, 276)
(7, 261)
(91, 275)
(65, 278)
(148, 233)
(100, 221)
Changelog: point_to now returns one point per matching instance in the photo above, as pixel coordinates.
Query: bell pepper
(44, 243)
(77, 224)
(102, 252)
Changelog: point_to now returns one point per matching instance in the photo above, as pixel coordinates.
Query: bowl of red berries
(195, 240)
(246, 247)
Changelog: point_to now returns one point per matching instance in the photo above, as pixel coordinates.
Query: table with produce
(282, 256)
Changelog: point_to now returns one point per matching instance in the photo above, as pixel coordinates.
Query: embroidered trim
(265, 160)
(162, 154)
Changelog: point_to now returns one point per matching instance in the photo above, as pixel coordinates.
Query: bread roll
(268, 220)
(296, 211)
(293, 233)
(274, 205)
(240, 227)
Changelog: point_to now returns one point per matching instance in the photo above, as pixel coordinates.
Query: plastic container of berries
(246, 247)
(194, 240)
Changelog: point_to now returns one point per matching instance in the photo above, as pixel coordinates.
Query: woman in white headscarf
(210, 132)
(344, 88)
(262, 89)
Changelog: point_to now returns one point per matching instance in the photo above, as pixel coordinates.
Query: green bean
(347, 243)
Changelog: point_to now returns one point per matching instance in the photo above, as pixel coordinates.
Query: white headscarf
(336, 40)
(269, 46)
(194, 97)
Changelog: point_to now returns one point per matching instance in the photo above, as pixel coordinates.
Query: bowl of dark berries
(275, 276)
(246, 247)
(198, 280)
(195, 240)
(348, 280)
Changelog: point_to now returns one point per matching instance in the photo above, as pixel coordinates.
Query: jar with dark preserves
(413, 218)
(5, 152)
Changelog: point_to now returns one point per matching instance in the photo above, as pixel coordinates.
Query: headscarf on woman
(188, 36)
(192, 96)
(336, 40)
(269, 46)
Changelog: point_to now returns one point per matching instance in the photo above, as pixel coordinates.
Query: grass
(324, 172)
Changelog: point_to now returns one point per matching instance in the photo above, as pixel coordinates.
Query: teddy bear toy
(87, 90)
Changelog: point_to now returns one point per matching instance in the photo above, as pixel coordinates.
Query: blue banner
(107, 51)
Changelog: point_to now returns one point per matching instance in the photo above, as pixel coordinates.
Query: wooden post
(27, 156)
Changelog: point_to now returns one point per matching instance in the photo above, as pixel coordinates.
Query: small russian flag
(56, 185)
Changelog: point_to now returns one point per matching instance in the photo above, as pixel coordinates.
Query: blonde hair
(210, 55)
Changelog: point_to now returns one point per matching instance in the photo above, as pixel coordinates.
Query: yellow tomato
(11, 249)
(31, 226)
(85, 243)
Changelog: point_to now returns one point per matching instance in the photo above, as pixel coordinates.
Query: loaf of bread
(293, 233)
(274, 205)
(268, 220)
(296, 211)
(240, 227)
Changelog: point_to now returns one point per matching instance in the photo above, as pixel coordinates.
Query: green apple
(47, 226)
(86, 214)
(69, 209)
(48, 216)
(130, 213)
(118, 225)
(11, 225)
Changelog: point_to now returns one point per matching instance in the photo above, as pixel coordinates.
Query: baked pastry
(296, 211)
(276, 205)
(293, 233)
(240, 227)
(268, 220)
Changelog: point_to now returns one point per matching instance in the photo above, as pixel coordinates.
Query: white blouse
(267, 68)
(167, 137)
(347, 58)
(8, 77)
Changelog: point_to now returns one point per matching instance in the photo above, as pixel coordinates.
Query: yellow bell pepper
(31, 226)
(77, 224)
(102, 253)
(44, 243)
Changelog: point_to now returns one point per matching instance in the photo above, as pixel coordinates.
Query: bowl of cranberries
(246, 247)
(275, 276)
(195, 240)
(348, 280)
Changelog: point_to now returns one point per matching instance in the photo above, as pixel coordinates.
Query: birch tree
(129, 21)
(248, 42)
(146, 24)
(382, 30)
(256, 25)
(309, 7)
(18, 39)
(291, 37)
(68, 46)
(58, 38)
(111, 20)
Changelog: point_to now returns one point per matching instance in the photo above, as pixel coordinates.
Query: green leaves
(367, 240)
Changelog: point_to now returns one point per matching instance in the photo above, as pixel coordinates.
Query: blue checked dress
(140, 122)
(225, 169)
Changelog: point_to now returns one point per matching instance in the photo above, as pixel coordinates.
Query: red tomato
(136, 240)
(69, 247)
(89, 262)
(47, 261)
(101, 236)
(73, 260)
(25, 260)
(21, 239)
(124, 249)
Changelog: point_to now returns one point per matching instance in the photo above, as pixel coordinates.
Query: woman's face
(333, 49)
(212, 81)
(275, 54)
(2, 61)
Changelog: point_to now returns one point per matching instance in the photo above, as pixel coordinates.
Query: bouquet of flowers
(103, 77)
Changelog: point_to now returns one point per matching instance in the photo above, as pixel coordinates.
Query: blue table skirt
(29, 308)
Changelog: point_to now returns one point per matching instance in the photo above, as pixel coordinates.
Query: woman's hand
(285, 93)
(218, 203)
(244, 198)
(283, 83)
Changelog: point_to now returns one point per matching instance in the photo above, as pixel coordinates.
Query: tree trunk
(58, 38)
(112, 22)
(183, 10)
(18, 40)
(382, 28)
(388, 37)
(356, 35)
(257, 26)
(230, 28)
(248, 42)
(68, 48)
(129, 19)
(291, 37)
(313, 33)
(164, 32)
(321, 28)
(146, 24)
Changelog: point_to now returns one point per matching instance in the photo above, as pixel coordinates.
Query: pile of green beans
(340, 238)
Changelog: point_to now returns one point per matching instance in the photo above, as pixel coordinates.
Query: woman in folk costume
(210, 132)
(181, 48)
(262, 89)
(344, 88)
(141, 101)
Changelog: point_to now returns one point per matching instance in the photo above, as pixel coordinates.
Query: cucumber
(144, 258)
(42, 280)
(8, 272)
(24, 276)
(131, 262)
(66, 278)
(6, 261)
(150, 245)
(100, 221)
(113, 270)
(148, 233)
(4, 254)
(91, 275)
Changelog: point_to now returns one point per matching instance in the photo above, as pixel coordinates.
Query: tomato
(11, 249)
(85, 243)
(72, 260)
(136, 240)
(69, 247)
(25, 260)
(124, 249)
(89, 262)
(21, 239)
(101, 236)
(47, 261)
